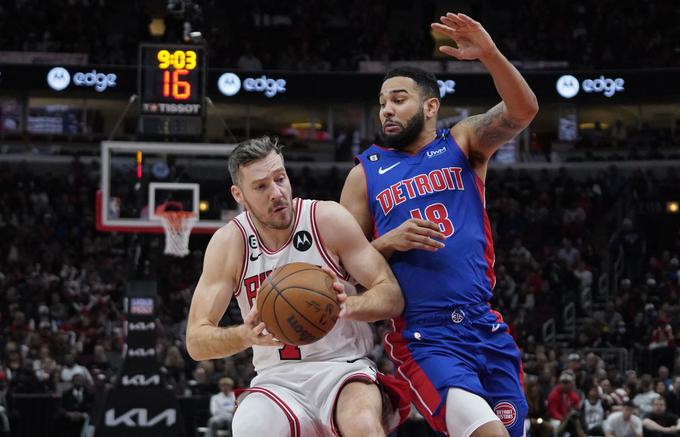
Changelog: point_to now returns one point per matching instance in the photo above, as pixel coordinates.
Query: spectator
(563, 404)
(221, 408)
(174, 368)
(4, 407)
(623, 423)
(661, 423)
(593, 412)
(72, 368)
(647, 395)
(75, 407)
(673, 397)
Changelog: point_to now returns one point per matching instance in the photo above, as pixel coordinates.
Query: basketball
(298, 304)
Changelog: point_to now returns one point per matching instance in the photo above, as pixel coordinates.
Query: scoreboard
(171, 89)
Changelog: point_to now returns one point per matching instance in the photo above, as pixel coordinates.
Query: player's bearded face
(407, 134)
(278, 214)
(266, 192)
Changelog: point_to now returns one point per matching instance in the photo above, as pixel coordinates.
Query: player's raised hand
(254, 330)
(415, 234)
(472, 40)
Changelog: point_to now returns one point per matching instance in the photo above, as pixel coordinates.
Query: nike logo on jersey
(385, 170)
(495, 327)
(255, 257)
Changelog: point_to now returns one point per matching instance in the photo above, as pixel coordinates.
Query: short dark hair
(251, 150)
(426, 81)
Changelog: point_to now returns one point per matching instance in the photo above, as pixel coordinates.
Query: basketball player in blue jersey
(421, 196)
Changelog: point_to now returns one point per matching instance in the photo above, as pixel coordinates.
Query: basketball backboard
(139, 180)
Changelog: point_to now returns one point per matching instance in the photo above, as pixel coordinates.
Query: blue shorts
(468, 347)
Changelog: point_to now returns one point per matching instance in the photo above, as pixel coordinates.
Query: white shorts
(307, 393)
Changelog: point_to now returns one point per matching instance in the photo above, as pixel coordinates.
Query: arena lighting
(157, 27)
(306, 125)
(591, 125)
(203, 205)
(672, 207)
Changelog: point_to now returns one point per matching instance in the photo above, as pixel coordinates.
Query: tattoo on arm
(491, 129)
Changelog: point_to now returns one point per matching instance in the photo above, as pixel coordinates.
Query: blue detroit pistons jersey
(435, 184)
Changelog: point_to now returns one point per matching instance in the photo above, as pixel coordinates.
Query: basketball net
(177, 226)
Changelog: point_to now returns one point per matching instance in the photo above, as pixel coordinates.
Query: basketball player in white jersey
(326, 388)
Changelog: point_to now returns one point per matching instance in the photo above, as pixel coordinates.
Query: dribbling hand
(472, 40)
(415, 234)
(255, 330)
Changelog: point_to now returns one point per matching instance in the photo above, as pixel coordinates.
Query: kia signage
(569, 86)
(140, 404)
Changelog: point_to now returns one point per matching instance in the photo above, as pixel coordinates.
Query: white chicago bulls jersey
(348, 340)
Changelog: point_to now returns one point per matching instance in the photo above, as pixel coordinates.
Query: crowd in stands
(62, 285)
(299, 36)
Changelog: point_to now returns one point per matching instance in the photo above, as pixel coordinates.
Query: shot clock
(171, 89)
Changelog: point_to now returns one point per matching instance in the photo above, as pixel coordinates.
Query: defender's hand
(472, 40)
(253, 330)
(415, 234)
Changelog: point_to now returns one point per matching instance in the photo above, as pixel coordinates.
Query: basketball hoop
(177, 226)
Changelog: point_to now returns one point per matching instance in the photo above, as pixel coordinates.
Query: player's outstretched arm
(342, 235)
(221, 268)
(481, 135)
(412, 234)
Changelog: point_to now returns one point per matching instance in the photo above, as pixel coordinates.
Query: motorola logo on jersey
(58, 78)
(302, 241)
(506, 412)
(567, 86)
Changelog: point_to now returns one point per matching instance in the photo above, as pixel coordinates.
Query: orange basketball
(298, 304)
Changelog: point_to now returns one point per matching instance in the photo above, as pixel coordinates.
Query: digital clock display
(172, 80)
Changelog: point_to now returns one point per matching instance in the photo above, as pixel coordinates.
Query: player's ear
(237, 194)
(431, 107)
